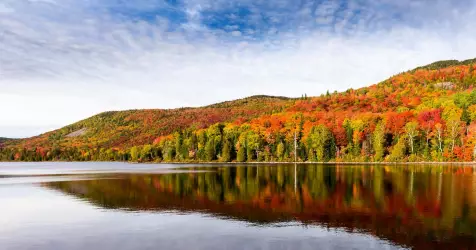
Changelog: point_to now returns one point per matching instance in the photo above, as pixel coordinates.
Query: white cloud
(5, 9)
(57, 69)
(236, 33)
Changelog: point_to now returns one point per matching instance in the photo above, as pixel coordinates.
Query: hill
(426, 114)
(123, 129)
(3, 139)
(445, 64)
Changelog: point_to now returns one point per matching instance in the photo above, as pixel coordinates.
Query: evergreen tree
(280, 151)
(465, 117)
(178, 146)
(250, 154)
(241, 155)
(348, 132)
(226, 151)
(210, 150)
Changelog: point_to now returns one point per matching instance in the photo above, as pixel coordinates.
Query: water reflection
(417, 206)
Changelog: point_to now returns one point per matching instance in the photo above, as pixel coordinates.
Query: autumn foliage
(427, 114)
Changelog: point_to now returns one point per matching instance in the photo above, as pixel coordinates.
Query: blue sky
(64, 60)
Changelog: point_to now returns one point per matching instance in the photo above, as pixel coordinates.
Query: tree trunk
(474, 153)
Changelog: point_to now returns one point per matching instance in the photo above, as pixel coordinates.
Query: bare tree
(439, 135)
(453, 131)
(411, 129)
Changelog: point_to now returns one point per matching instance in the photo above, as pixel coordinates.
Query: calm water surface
(144, 206)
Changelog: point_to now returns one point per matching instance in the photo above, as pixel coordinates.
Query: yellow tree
(452, 115)
(357, 128)
(453, 127)
(378, 139)
(318, 139)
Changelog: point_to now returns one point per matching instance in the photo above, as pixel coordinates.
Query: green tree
(319, 139)
(280, 151)
(168, 151)
(348, 133)
(201, 141)
(253, 146)
(134, 154)
(178, 146)
(378, 140)
(210, 150)
(241, 155)
(146, 153)
(242, 147)
(226, 151)
(398, 151)
(465, 116)
(357, 128)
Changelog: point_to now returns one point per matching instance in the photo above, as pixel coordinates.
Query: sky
(64, 60)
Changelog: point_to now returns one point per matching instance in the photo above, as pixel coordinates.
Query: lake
(191, 206)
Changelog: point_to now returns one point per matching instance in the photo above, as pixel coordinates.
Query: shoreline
(322, 163)
(272, 162)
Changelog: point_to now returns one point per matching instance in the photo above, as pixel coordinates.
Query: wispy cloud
(63, 60)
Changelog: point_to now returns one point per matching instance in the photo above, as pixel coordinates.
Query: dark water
(135, 206)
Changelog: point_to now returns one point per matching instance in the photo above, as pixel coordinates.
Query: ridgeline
(425, 114)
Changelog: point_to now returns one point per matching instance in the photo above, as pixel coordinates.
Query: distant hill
(445, 64)
(137, 127)
(426, 114)
(3, 139)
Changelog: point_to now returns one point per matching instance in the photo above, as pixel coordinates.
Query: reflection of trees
(409, 207)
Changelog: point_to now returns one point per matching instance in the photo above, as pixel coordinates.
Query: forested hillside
(426, 114)
(124, 129)
(2, 140)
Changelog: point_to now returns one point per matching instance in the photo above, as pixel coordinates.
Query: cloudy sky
(65, 60)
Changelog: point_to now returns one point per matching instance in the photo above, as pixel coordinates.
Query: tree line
(427, 115)
(446, 133)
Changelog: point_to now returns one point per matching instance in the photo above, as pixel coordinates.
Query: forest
(426, 114)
